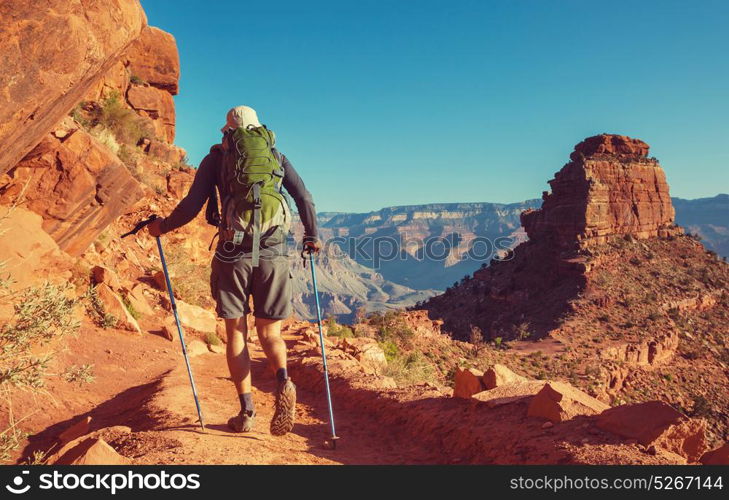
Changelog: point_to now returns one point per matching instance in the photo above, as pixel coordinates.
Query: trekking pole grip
(140, 225)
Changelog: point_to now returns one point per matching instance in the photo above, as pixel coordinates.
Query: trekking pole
(136, 229)
(334, 437)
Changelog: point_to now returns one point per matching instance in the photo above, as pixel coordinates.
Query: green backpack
(252, 176)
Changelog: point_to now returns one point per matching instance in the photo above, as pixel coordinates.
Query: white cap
(241, 116)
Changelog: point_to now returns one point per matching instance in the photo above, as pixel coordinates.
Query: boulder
(196, 317)
(77, 185)
(159, 280)
(196, 347)
(114, 306)
(656, 423)
(51, 57)
(218, 349)
(509, 393)
(557, 402)
(138, 301)
(169, 329)
(610, 187)
(719, 456)
(29, 254)
(91, 451)
(154, 59)
(365, 350)
(499, 375)
(468, 382)
(101, 274)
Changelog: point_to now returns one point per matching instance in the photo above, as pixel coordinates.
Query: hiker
(247, 172)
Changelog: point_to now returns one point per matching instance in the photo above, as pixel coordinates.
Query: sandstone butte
(609, 187)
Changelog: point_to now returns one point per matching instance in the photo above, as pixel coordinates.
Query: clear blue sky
(381, 103)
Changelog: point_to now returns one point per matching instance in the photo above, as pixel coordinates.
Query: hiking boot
(243, 422)
(285, 412)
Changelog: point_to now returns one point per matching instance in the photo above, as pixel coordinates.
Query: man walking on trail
(247, 173)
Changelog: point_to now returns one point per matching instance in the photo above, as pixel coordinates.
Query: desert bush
(390, 349)
(106, 137)
(80, 116)
(476, 336)
(522, 331)
(83, 374)
(95, 310)
(40, 314)
(391, 326)
(128, 127)
(334, 329)
(130, 308)
(211, 338)
(137, 80)
(409, 370)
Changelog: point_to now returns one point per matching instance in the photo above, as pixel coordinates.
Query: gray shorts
(233, 280)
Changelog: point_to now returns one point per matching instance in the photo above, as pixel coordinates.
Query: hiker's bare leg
(269, 334)
(236, 352)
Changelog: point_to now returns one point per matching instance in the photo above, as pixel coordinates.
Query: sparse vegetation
(83, 374)
(522, 331)
(40, 314)
(190, 279)
(410, 369)
(128, 127)
(96, 311)
(211, 338)
(137, 80)
(130, 308)
(334, 329)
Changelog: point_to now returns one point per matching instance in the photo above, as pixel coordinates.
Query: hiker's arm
(196, 197)
(302, 197)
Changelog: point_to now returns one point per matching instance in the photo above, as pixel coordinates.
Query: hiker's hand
(311, 245)
(155, 227)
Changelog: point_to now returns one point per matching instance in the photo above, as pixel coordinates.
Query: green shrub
(40, 314)
(410, 369)
(334, 329)
(128, 127)
(95, 309)
(211, 338)
(522, 331)
(130, 308)
(137, 80)
(390, 349)
(83, 374)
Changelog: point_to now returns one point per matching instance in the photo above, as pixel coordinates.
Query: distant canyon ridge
(398, 256)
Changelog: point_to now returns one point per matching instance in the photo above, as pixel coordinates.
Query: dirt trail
(363, 441)
(150, 393)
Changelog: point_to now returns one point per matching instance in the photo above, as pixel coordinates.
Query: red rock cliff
(68, 175)
(50, 56)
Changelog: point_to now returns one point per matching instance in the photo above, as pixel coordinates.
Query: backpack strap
(256, 251)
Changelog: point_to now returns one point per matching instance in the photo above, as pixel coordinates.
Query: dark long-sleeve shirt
(206, 179)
